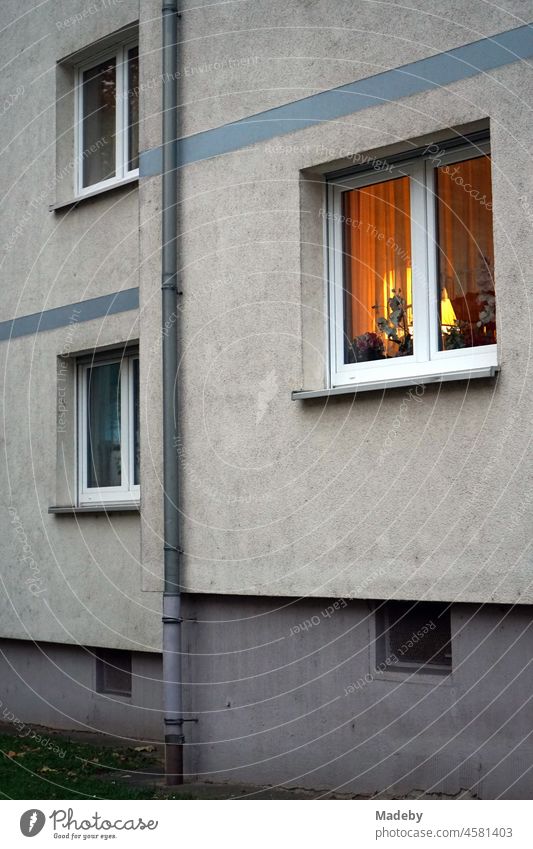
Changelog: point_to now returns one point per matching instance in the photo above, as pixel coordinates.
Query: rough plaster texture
(279, 498)
(240, 58)
(291, 498)
(272, 703)
(90, 251)
(286, 692)
(55, 686)
(88, 567)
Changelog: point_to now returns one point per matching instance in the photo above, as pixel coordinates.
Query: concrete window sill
(73, 510)
(71, 202)
(381, 385)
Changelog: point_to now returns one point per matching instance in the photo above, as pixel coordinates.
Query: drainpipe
(172, 615)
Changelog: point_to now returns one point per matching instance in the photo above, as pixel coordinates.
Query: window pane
(465, 254)
(133, 108)
(378, 304)
(99, 123)
(103, 426)
(136, 430)
(417, 633)
(113, 671)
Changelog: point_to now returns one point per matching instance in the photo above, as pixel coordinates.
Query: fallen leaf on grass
(144, 749)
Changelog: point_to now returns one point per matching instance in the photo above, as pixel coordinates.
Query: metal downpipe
(172, 615)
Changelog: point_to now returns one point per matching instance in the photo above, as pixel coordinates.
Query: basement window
(107, 119)
(413, 636)
(113, 672)
(108, 430)
(411, 269)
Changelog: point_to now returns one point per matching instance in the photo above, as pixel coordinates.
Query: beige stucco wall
(71, 579)
(279, 497)
(292, 498)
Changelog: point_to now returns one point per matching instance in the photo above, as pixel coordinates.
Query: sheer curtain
(103, 426)
(377, 255)
(465, 248)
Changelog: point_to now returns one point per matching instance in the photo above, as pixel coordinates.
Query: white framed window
(411, 270)
(107, 119)
(108, 430)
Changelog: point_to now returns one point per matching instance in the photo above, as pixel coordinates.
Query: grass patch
(66, 770)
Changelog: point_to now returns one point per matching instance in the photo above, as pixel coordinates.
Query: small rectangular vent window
(113, 671)
(413, 635)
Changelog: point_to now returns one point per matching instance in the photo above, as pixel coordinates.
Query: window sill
(70, 509)
(66, 204)
(391, 383)
(416, 675)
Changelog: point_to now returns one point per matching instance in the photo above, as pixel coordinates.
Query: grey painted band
(38, 322)
(423, 75)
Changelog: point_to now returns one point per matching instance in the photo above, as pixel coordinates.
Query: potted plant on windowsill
(367, 347)
(396, 327)
(370, 346)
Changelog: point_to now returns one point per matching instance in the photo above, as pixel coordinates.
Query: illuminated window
(412, 269)
(465, 254)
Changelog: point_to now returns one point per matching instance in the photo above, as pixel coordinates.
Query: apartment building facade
(355, 246)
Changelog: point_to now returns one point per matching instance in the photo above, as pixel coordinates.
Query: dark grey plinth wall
(286, 692)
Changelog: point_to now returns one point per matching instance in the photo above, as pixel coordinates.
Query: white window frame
(128, 492)
(426, 360)
(122, 173)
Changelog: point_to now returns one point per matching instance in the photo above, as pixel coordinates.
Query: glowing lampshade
(447, 313)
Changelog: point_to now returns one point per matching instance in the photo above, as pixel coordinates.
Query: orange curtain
(377, 246)
(466, 253)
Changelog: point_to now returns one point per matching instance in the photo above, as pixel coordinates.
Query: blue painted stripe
(414, 78)
(88, 310)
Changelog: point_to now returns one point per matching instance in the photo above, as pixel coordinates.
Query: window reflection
(378, 315)
(133, 108)
(136, 424)
(465, 254)
(99, 123)
(103, 426)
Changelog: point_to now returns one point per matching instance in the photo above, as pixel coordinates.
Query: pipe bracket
(177, 620)
(169, 280)
(177, 548)
(174, 740)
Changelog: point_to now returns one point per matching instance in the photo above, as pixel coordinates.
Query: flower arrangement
(368, 346)
(395, 327)
(454, 338)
